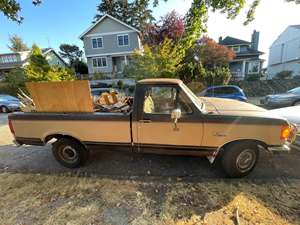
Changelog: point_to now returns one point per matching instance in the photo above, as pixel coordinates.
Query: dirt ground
(118, 188)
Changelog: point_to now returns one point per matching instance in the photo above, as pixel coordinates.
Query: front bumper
(282, 148)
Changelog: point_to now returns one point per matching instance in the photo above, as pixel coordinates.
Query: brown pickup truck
(166, 118)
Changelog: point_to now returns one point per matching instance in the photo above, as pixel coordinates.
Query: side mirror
(175, 115)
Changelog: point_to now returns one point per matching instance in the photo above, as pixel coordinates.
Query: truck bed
(89, 128)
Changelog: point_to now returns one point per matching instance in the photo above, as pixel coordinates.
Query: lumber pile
(112, 102)
(70, 96)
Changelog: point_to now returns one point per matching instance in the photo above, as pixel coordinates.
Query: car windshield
(295, 91)
(197, 101)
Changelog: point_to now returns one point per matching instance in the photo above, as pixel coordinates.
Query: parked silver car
(290, 98)
(9, 104)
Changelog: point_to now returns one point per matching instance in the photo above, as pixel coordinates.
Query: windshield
(196, 100)
(295, 90)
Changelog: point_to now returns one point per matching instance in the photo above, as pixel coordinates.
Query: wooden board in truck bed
(62, 96)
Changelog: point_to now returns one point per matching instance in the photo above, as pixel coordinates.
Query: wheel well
(298, 100)
(60, 136)
(257, 142)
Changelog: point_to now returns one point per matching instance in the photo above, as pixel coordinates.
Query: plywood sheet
(62, 96)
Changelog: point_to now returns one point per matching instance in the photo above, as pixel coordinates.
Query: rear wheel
(4, 109)
(239, 158)
(70, 153)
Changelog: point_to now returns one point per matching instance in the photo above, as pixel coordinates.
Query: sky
(62, 21)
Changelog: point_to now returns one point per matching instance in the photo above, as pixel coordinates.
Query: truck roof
(160, 81)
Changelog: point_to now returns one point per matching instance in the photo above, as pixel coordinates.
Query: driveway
(134, 166)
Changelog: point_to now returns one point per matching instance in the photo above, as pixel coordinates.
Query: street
(135, 166)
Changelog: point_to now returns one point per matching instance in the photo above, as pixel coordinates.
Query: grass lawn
(65, 199)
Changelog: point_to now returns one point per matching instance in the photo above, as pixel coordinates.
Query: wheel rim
(246, 160)
(69, 154)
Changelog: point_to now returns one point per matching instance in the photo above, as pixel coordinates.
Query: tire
(296, 103)
(4, 109)
(70, 153)
(239, 158)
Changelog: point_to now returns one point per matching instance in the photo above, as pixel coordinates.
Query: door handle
(145, 121)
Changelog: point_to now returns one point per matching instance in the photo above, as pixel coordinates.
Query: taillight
(11, 127)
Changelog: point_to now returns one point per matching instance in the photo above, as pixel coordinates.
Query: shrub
(15, 79)
(120, 84)
(285, 74)
(98, 76)
(196, 87)
(253, 77)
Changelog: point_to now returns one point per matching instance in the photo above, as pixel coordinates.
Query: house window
(97, 42)
(100, 62)
(123, 40)
(236, 49)
(253, 67)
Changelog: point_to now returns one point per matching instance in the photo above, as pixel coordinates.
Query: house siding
(109, 30)
(110, 44)
(93, 69)
(53, 60)
(285, 53)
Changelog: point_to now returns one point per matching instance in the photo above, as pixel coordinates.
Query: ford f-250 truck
(166, 118)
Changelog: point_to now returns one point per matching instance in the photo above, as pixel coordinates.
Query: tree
(40, 70)
(170, 26)
(74, 54)
(12, 8)
(70, 52)
(17, 44)
(135, 13)
(208, 62)
(157, 61)
(211, 54)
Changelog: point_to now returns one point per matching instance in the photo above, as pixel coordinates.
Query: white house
(285, 52)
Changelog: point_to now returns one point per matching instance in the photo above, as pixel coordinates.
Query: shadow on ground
(141, 166)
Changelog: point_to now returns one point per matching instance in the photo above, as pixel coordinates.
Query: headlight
(288, 133)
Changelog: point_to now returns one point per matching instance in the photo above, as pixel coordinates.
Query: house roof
(45, 51)
(233, 41)
(101, 19)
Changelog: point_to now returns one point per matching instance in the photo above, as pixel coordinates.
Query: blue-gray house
(247, 61)
(108, 45)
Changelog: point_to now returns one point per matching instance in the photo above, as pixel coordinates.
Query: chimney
(220, 39)
(255, 40)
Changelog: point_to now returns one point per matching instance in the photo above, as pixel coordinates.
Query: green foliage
(253, 77)
(120, 84)
(71, 52)
(160, 61)
(12, 8)
(98, 76)
(14, 80)
(17, 44)
(216, 76)
(135, 13)
(285, 74)
(40, 70)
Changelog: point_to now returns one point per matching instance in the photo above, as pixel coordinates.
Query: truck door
(156, 128)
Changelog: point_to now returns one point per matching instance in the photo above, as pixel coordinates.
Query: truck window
(163, 100)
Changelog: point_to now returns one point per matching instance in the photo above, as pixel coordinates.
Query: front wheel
(240, 158)
(70, 153)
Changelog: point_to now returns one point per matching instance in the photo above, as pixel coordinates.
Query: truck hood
(223, 106)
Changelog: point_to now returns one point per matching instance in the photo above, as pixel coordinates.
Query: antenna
(48, 40)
